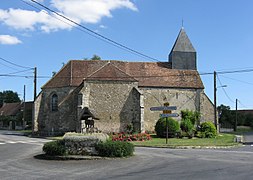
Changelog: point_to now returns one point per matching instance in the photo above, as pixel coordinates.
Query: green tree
(226, 116)
(8, 97)
(96, 57)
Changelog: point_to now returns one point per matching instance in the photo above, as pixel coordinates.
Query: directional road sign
(162, 108)
(169, 115)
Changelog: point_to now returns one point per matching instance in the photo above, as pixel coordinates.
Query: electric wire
(222, 86)
(94, 34)
(237, 80)
(14, 64)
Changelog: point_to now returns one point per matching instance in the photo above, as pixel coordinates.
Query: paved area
(248, 138)
(17, 162)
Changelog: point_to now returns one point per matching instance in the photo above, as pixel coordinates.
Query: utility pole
(35, 83)
(215, 105)
(24, 110)
(34, 97)
(236, 113)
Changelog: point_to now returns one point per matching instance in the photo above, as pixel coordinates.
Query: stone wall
(191, 99)
(115, 103)
(50, 122)
(206, 108)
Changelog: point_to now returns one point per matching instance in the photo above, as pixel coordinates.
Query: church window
(54, 103)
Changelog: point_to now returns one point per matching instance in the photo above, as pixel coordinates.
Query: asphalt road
(17, 162)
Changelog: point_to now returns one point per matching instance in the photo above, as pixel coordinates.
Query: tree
(96, 57)
(8, 97)
(226, 116)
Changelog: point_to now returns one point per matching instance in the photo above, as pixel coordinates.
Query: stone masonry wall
(192, 99)
(116, 103)
(53, 122)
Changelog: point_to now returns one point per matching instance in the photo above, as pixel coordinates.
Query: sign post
(166, 113)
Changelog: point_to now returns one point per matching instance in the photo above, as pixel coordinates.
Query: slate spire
(183, 54)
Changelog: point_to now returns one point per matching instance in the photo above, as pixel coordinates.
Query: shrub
(193, 116)
(115, 149)
(54, 148)
(160, 127)
(187, 127)
(208, 130)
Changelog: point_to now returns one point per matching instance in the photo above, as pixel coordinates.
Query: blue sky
(220, 31)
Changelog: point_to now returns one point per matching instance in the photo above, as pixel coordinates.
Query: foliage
(160, 127)
(115, 149)
(193, 116)
(131, 137)
(187, 127)
(226, 116)
(96, 57)
(54, 148)
(129, 128)
(207, 130)
(8, 97)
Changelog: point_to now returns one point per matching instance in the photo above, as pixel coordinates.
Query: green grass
(221, 140)
(241, 130)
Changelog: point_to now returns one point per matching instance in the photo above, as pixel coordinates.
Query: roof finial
(182, 23)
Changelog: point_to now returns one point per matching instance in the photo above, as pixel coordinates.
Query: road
(17, 162)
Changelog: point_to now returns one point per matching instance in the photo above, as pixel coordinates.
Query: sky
(220, 31)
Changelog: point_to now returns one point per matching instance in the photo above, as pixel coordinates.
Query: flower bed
(131, 137)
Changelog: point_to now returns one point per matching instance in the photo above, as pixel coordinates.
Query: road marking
(2, 143)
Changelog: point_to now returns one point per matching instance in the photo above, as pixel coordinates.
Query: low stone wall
(83, 144)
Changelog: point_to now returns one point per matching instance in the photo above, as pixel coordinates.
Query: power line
(238, 80)
(14, 64)
(222, 86)
(242, 104)
(93, 33)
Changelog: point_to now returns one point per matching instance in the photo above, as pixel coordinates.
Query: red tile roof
(148, 74)
(10, 109)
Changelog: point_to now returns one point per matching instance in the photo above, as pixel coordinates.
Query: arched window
(54, 103)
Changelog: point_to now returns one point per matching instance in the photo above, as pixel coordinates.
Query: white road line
(2, 143)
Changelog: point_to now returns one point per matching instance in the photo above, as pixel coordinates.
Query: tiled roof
(148, 74)
(10, 109)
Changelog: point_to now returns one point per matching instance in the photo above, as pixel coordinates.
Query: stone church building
(119, 93)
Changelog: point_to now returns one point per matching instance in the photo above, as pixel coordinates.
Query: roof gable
(110, 72)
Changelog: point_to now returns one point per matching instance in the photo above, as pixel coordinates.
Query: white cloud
(81, 11)
(28, 20)
(90, 11)
(7, 39)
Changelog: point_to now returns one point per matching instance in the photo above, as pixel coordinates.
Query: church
(119, 93)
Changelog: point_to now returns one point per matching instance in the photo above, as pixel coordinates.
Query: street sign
(169, 115)
(162, 108)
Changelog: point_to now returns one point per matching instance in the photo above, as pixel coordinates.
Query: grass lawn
(241, 130)
(221, 140)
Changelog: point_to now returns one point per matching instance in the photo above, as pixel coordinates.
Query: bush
(54, 148)
(193, 116)
(115, 149)
(187, 127)
(160, 127)
(207, 130)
